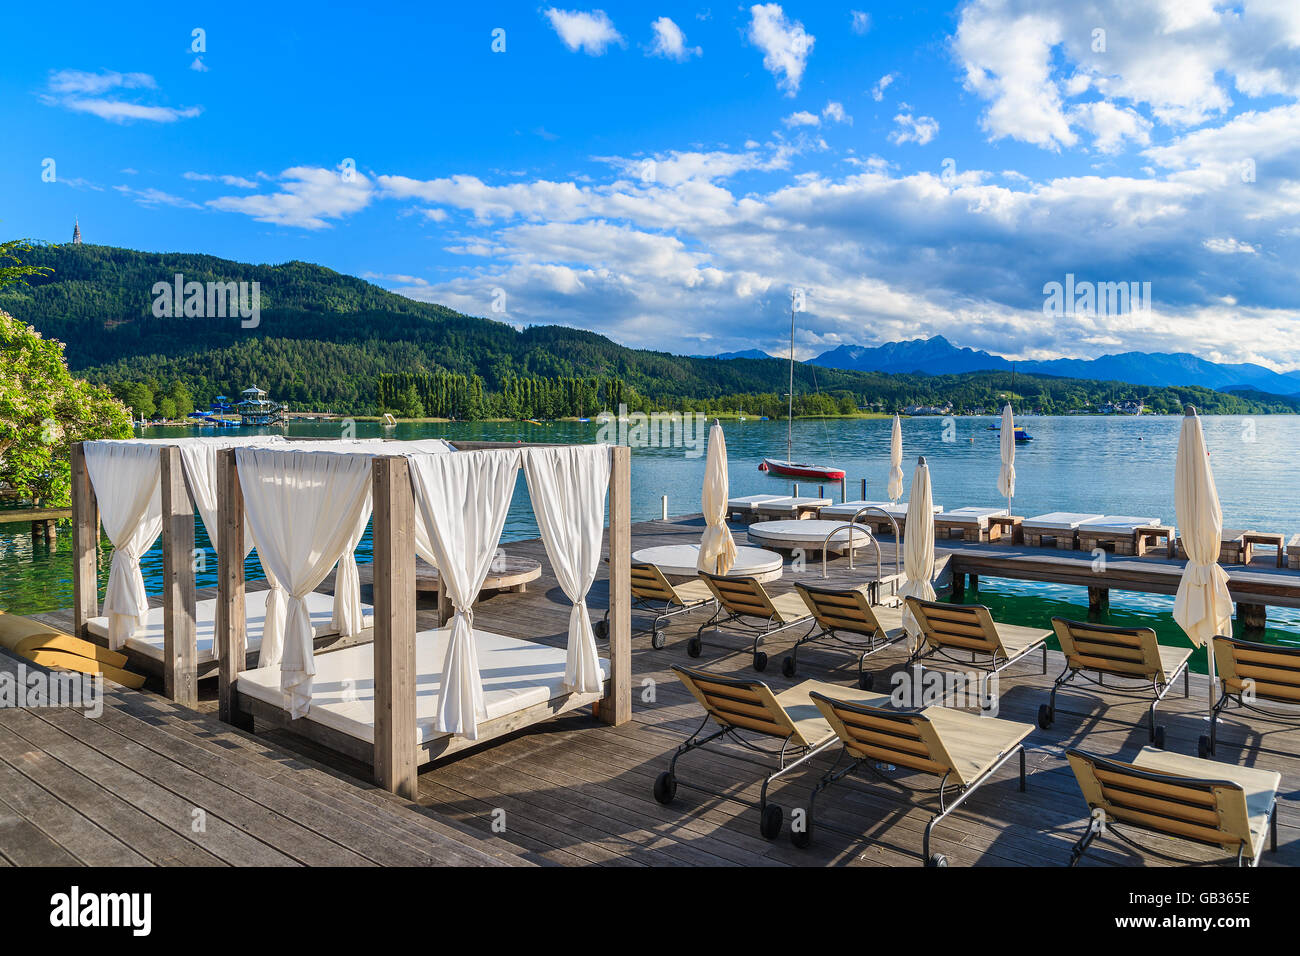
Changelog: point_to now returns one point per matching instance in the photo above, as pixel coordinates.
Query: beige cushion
(693, 591)
(974, 743)
(1016, 638)
(808, 721)
(790, 608)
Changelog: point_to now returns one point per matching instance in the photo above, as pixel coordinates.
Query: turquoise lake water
(1105, 465)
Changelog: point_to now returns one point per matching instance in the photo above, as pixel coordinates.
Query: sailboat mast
(789, 421)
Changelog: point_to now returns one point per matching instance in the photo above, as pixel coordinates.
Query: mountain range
(938, 356)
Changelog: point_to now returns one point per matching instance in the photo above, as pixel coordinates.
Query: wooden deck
(573, 791)
(150, 783)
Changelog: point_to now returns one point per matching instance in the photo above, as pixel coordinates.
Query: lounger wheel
(1158, 737)
(937, 859)
(602, 630)
(866, 680)
(665, 788)
(787, 665)
(658, 639)
(1045, 716)
(694, 646)
(1203, 747)
(770, 823)
(760, 660)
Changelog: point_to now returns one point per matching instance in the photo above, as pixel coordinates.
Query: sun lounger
(742, 508)
(779, 508)
(1126, 535)
(1127, 653)
(846, 619)
(745, 604)
(964, 750)
(1059, 527)
(950, 628)
(1251, 672)
(743, 709)
(652, 592)
(1231, 551)
(973, 524)
(1184, 797)
(879, 523)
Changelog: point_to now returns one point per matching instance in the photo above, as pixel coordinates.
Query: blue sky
(666, 173)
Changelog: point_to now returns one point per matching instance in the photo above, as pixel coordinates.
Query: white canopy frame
(397, 753)
(187, 484)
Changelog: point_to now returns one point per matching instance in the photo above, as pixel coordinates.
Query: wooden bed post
(180, 653)
(85, 544)
(394, 648)
(231, 620)
(616, 708)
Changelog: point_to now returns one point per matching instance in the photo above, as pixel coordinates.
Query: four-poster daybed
(146, 487)
(413, 696)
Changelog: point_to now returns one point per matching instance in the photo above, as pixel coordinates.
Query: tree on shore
(43, 409)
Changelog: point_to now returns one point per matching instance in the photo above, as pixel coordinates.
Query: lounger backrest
(1274, 669)
(1129, 651)
(904, 738)
(740, 595)
(840, 609)
(649, 584)
(966, 626)
(1207, 810)
(733, 702)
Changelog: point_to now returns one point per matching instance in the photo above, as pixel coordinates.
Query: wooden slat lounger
(748, 707)
(1062, 527)
(949, 628)
(1251, 672)
(847, 619)
(744, 603)
(1180, 796)
(652, 592)
(1131, 653)
(742, 508)
(961, 748)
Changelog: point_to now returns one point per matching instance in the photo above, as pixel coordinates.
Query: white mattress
(148, 640)
(970, 515)
(516, 674)
(1060, 520)
(748, 501)
(790, 503)
(1120, 523)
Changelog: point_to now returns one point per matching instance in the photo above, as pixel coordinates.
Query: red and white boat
(795, 469)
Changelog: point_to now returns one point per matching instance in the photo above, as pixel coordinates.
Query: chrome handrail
(898, 538)
(851, 526)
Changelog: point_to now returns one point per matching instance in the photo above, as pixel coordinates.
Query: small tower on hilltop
(76, 232)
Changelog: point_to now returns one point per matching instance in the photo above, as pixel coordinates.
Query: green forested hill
(326, 340)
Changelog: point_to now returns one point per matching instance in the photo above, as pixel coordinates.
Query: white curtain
(462, 500)
(717, 547)
(303, 507)
(918, 549)
(128, 488)
(199, 459)
(348, 618)
(567, 486)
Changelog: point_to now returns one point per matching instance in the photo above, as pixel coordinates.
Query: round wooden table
(507, 573)
(679, 561)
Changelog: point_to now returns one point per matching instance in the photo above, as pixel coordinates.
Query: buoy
(762, 466)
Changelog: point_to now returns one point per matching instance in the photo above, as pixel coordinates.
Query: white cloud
(1229, 246)
(785, 44)
(156, 197)
(308, 197)
(914, 129)
(1111, 125)
(670, 42)
(592, 32)
(226, 180)
(198, 66)
(83, 92)
(802, 118)
(882, 84)
(859, 22)
(833, 112)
